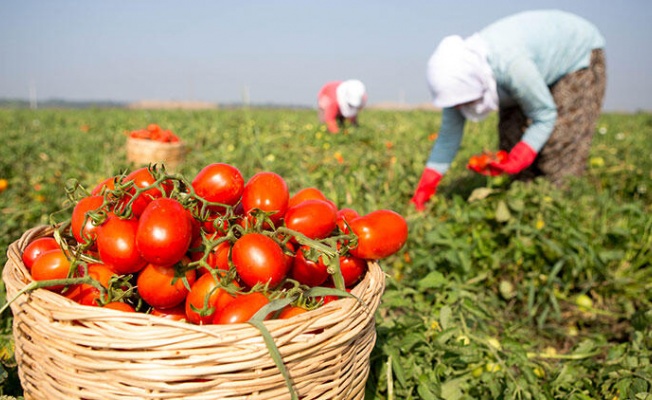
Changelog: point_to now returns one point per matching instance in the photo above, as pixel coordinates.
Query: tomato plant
(164, 232)
(259, 259)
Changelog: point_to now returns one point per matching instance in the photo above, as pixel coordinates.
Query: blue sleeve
(448, 141)
(528, 88)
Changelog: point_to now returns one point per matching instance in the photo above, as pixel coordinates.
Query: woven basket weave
(143, 152)
(68, 351)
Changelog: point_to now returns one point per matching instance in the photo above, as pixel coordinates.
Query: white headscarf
(458, 73)
(351, 97)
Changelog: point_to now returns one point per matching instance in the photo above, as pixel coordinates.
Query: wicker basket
(143, 152)
(69, 351)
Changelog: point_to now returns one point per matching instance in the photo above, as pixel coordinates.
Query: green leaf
(451, 390)
(397, 368)
(502, 212)
(445, 315)
(480, 193)
(423, 388)
(276, 356)
(433, 280)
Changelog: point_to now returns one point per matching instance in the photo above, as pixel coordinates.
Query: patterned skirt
(578, 97)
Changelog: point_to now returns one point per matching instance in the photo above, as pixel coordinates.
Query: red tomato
(52, 264)
(143, 178)
(314, 218)
(259, 259)
(37, 247)
(219, 183)
(289, 252)
(177, 313)
(218, 258)
(195, 226)
(213, 225)
(120, 306)
(329, 298)
(268, 192)
(290, 311)
(164, 232)
(380, 233)
(352, 268)
(309, 193)
(82, 227)
(107, 184)
(308, 272)
(204, 299)
(348, 215)
(241, 309)
(162, 287)
(88, 294)
(481, 163)
(116, 244)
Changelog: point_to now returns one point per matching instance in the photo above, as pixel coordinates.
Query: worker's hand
(332, 126)
(519, 158)
(426, 188)
(481, 163)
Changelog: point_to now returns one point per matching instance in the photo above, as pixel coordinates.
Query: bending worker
(341, 101)
(543, 71)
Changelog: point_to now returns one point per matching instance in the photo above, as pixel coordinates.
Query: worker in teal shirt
(543, 71)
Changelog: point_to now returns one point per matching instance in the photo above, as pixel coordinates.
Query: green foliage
(505, 290)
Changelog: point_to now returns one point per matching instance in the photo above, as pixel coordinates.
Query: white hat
(351, 97)
(458, 73)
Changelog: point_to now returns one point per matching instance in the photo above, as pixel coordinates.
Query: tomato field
(503, 289)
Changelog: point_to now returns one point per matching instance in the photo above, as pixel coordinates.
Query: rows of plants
(503, 289)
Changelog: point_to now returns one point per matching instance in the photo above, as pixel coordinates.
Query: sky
(274, 51)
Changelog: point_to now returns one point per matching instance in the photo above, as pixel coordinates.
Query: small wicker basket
(68, 351)
(144, 151)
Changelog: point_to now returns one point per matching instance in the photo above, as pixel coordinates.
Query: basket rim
(138, 141)
(92, 313)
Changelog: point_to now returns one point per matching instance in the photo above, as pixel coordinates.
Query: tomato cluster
(154, 132)
(481, 163)
(211, 250)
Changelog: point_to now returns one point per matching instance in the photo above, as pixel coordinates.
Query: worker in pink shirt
(340, 101)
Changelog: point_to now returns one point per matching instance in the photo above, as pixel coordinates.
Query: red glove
(332, 126)
(426, 188)
(519, 158)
